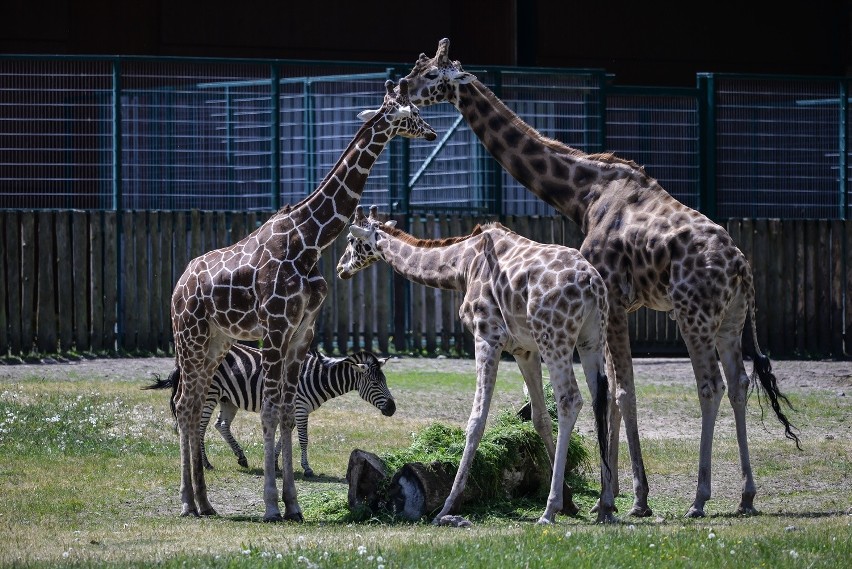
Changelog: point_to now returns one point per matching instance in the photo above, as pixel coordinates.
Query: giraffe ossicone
(650, 249)
(267, 286)
(537, 302)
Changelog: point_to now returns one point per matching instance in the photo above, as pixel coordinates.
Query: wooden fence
(100, 282)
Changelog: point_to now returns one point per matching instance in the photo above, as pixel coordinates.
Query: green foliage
(508, 438)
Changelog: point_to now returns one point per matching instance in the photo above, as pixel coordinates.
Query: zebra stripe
(237, 384)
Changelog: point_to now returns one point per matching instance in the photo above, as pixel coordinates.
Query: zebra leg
(302, 428)
(227, 412)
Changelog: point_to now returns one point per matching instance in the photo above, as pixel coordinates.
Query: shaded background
(641, 43)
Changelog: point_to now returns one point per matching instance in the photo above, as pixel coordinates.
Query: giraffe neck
(557, 174)
(323, 214)
(433, 263)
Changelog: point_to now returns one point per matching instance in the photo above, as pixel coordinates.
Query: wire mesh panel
(777, 147)
(659, 131)
(56, 134)
(195, 136)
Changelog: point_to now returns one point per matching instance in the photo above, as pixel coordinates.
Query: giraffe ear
(368, 114)
(390, 223)
(359, 232)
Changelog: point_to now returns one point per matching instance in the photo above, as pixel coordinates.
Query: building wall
(640, 42)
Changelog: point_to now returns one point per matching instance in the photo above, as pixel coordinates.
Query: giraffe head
(361, 248)
(436, 79)
(402, 117)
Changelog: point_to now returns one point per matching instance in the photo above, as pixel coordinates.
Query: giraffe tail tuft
(768, 383)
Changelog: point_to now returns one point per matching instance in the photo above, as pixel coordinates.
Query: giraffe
(267, 287)
(651, 250)
(534, 301)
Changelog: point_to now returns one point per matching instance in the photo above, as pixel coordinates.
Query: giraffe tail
(768, 382)
(600, 408)
(172, 381)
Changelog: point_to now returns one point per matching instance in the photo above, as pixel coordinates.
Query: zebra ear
(383, 361)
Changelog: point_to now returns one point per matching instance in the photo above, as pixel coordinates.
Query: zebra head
(372, 383)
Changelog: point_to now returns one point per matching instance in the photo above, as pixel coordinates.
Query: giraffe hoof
(694, 513)
(295, 517)
(243, 462)
(273, 518)
(308, 473)
(747, 510)
(208, 512)
(640, 512)
(186, 513)
(453, 521)
(570, 509)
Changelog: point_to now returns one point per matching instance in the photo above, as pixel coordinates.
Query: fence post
(707, 145)
(842, 145)
(117, 198)
(275, 138)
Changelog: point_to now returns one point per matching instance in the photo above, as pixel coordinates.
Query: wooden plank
(343, 312)
(181, 246)
(142, 261)
(208, 232)
(357, 302)
(46, 285)
(110, 281)
(811, 316)
(4, 310)
(238, 226)
(96, 278)
(324, 329)
(28, 282)
(800, 284)
(64, 281)
(383, 303)
(838, 260)
(822, 285)
(773, 298)
(787, 268)
(400, 303)
(165, 277)
(127, 315)
(370, 302)
(155, 264)
(760, 268)
(222, 237)
(196, 235)
(81, 276)
(13, 279)
(847, 333)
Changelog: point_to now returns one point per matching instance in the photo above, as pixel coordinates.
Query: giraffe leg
(487, 360)
(618, 341)
(705, 365)
(568, 404)
(530, 366)
(189, 402)
(729, 346)
(592, 347)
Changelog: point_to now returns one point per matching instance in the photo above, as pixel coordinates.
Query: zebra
(237, 385)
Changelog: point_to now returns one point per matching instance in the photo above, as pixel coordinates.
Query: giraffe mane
(430, 243)
(553, 144)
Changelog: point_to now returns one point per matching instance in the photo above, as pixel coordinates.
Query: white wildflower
(794, 554)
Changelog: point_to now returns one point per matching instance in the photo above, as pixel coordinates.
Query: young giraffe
(267, 286)
(649, 248)
(534, 301)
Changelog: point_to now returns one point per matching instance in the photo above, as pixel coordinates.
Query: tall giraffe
(267, 287)
(534, 301)
(650, 249)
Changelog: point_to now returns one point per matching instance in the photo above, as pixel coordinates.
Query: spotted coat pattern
(267, 287)
(650, 249)
(535, 301)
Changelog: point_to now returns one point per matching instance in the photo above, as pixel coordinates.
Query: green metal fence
(133, 133)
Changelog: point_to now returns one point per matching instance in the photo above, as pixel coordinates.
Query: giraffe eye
(431, 75)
